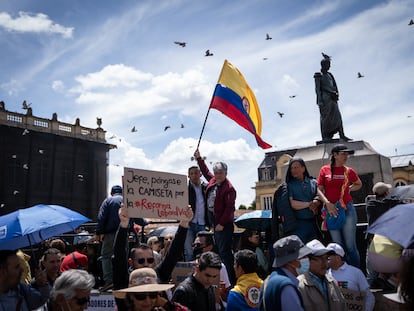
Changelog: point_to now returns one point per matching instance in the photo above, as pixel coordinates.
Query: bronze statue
(327, 99)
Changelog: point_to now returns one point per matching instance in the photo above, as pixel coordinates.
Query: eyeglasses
(81, 301)
(148, 260)
(143, 296)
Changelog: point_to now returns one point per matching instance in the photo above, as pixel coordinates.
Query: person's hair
(70, 281)
(407, 281)
(246, 259)
(193, 167)
(142, 246)
(208, 236)
(244, 242)
(4, 256)
(289, 176)
(152, 240)
(332, 165)
(209, 260)
(220, 166)
(50, 251)
(59, 244)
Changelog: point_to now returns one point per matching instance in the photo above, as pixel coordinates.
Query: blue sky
(117, 60)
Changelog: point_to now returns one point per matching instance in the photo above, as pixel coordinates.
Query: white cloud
(58, 86)
(37, 23)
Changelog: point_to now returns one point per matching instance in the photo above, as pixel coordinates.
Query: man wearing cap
(376, 205)
(348, 277)
(320, 291)
(108, 222)
(279, 290)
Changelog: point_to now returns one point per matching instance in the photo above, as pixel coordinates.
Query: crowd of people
(307, 268)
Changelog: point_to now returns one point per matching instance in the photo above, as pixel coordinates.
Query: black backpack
(283, 217)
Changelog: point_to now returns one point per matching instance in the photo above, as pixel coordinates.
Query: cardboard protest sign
(355, 300)
(152, 194)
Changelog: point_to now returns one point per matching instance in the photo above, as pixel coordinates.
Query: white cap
(317, 248)
(336, 248)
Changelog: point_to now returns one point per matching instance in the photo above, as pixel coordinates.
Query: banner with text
(152, 194)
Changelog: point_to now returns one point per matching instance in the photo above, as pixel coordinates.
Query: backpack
(283, 218)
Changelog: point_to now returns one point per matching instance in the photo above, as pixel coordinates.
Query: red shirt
(333, 185)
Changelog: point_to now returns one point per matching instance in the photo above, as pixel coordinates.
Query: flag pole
(208, 111)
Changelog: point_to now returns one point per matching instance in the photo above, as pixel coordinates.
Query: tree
(253, 205)
(242, 206)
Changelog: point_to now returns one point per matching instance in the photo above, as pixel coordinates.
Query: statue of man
(327, 99)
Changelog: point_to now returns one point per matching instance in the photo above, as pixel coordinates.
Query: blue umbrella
(30, 226)
(396, 224)
(259, 220)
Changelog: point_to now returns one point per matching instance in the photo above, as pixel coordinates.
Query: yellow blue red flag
(234, 98)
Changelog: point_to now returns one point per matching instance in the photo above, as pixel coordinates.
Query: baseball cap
(116, 189)
(288, 249)
(335, 247)
(342, 148)
(317, 248)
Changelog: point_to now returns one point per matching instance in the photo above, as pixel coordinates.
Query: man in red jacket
(221, 199)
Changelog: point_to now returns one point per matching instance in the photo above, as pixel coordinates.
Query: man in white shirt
(349, 277)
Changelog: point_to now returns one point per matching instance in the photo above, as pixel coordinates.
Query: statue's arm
(317, 76)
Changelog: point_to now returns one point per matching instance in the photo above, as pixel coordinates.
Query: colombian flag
(235, 99)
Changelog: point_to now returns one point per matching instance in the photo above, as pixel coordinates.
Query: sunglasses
(81, 301)
(150, 260)
(143, 296)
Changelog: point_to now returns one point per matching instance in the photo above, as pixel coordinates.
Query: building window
(267, 202)
(400, 182)
(265, 174)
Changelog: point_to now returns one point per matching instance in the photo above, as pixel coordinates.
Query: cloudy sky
(117, 60)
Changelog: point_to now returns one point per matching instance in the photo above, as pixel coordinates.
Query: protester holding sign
(221, 200)
(351, 280)
(142, 255)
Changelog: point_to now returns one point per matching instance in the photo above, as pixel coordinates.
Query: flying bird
(112, 137)
(325, 56)
(25, 166)
(182, 125)
(41, 151)
(133, 130)
(411, 22)
(15, 192)
(2, 205)
(167, 127)
(25, 105)
(26, 131)
(268, 37)
(281, 114)
(182, 44)
(14, 156)
(208, 53)
(265, 58)
(360, 75)
(292, 96)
